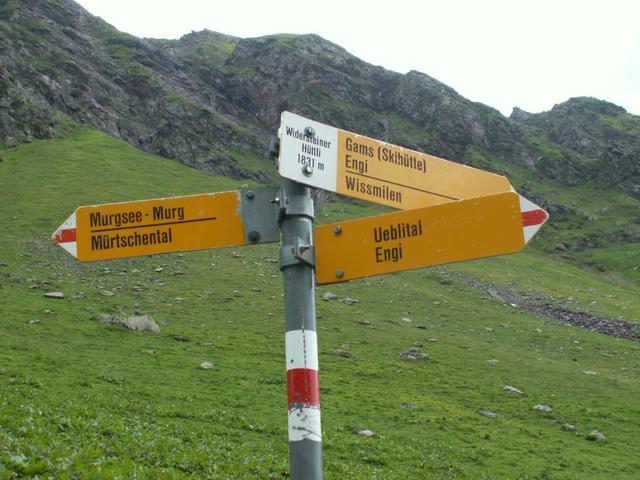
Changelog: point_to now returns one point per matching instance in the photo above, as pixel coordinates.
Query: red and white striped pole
(297, 265)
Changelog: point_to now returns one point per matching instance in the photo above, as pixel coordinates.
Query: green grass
(286, 39)
(173, 97)
(623, 260)
(212, 52)
(405, 132)
(570, 285)
(54, 177)
(597, 217)
(250, 162)
(84, 400)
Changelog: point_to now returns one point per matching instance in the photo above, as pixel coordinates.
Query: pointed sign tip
(533, 217)
(65, 235)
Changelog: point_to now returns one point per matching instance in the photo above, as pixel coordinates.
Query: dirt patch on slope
(546, 307)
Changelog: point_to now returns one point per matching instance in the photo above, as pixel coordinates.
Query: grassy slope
(82, 399)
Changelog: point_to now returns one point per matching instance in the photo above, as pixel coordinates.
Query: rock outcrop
(211, 100)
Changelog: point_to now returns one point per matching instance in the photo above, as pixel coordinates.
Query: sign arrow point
(65, 235)
(533, 217)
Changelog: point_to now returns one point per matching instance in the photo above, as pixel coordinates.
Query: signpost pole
(297, 265)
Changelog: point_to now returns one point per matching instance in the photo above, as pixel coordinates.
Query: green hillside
(81, 399)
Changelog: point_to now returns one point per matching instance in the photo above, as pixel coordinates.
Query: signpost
(343, 162)
(449, 213)
(162, 225)
(451, 232)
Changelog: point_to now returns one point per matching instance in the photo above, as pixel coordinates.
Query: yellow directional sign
(452, 212)
(452, 232)
(162, 225)
(340, 161)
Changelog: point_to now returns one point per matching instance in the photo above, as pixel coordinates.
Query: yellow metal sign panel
(361, 167)
(450, 232)
(147, 227)
(452, 212)
(398, 177)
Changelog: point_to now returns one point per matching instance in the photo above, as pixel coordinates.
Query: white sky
(504, 53)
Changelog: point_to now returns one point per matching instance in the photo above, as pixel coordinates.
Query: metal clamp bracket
(294, 205)
(260, 215)
(296, 254)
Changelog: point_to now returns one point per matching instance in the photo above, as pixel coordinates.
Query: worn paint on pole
(297, 264)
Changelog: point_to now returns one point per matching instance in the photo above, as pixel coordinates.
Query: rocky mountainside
(211, 100)
(605, 135)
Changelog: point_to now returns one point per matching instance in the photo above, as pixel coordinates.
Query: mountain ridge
(210, 100)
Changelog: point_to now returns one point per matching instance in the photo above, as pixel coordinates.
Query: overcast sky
(504, 53)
